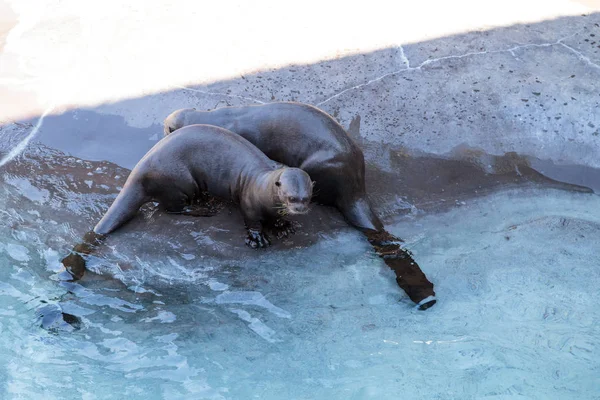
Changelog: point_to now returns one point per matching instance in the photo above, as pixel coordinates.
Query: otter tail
(409, 275)
(360, 214)
(125, 206)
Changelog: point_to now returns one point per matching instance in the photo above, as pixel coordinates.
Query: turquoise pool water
(516, 274)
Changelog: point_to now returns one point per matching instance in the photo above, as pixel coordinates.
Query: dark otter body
(302, 136)
(202, 158)
(198, 159)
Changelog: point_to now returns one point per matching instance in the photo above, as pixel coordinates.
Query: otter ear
(314, 183)
(278, 183)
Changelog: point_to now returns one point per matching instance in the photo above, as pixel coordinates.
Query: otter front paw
(283, 228)
(257, 239)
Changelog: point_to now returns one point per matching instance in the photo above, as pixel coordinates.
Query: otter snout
(298, 204)
(297, 208)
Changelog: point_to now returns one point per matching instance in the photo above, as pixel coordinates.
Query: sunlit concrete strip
(116, 50)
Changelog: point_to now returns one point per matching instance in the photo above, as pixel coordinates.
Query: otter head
(176, 120)
(294, 191)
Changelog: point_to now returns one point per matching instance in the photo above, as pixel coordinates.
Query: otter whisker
(282, 211)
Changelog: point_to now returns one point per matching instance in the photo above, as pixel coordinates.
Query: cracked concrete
(544, 112)
(449, 57)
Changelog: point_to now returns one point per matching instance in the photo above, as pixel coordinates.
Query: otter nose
(300, 208)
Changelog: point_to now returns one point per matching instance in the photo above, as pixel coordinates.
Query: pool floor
(516, 274)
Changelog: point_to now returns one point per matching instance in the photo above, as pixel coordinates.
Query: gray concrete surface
(496, 79)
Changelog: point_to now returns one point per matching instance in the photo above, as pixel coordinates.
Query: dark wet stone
(53, 319)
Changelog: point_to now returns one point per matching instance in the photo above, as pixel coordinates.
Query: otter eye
(293, 199)
(277, 183)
